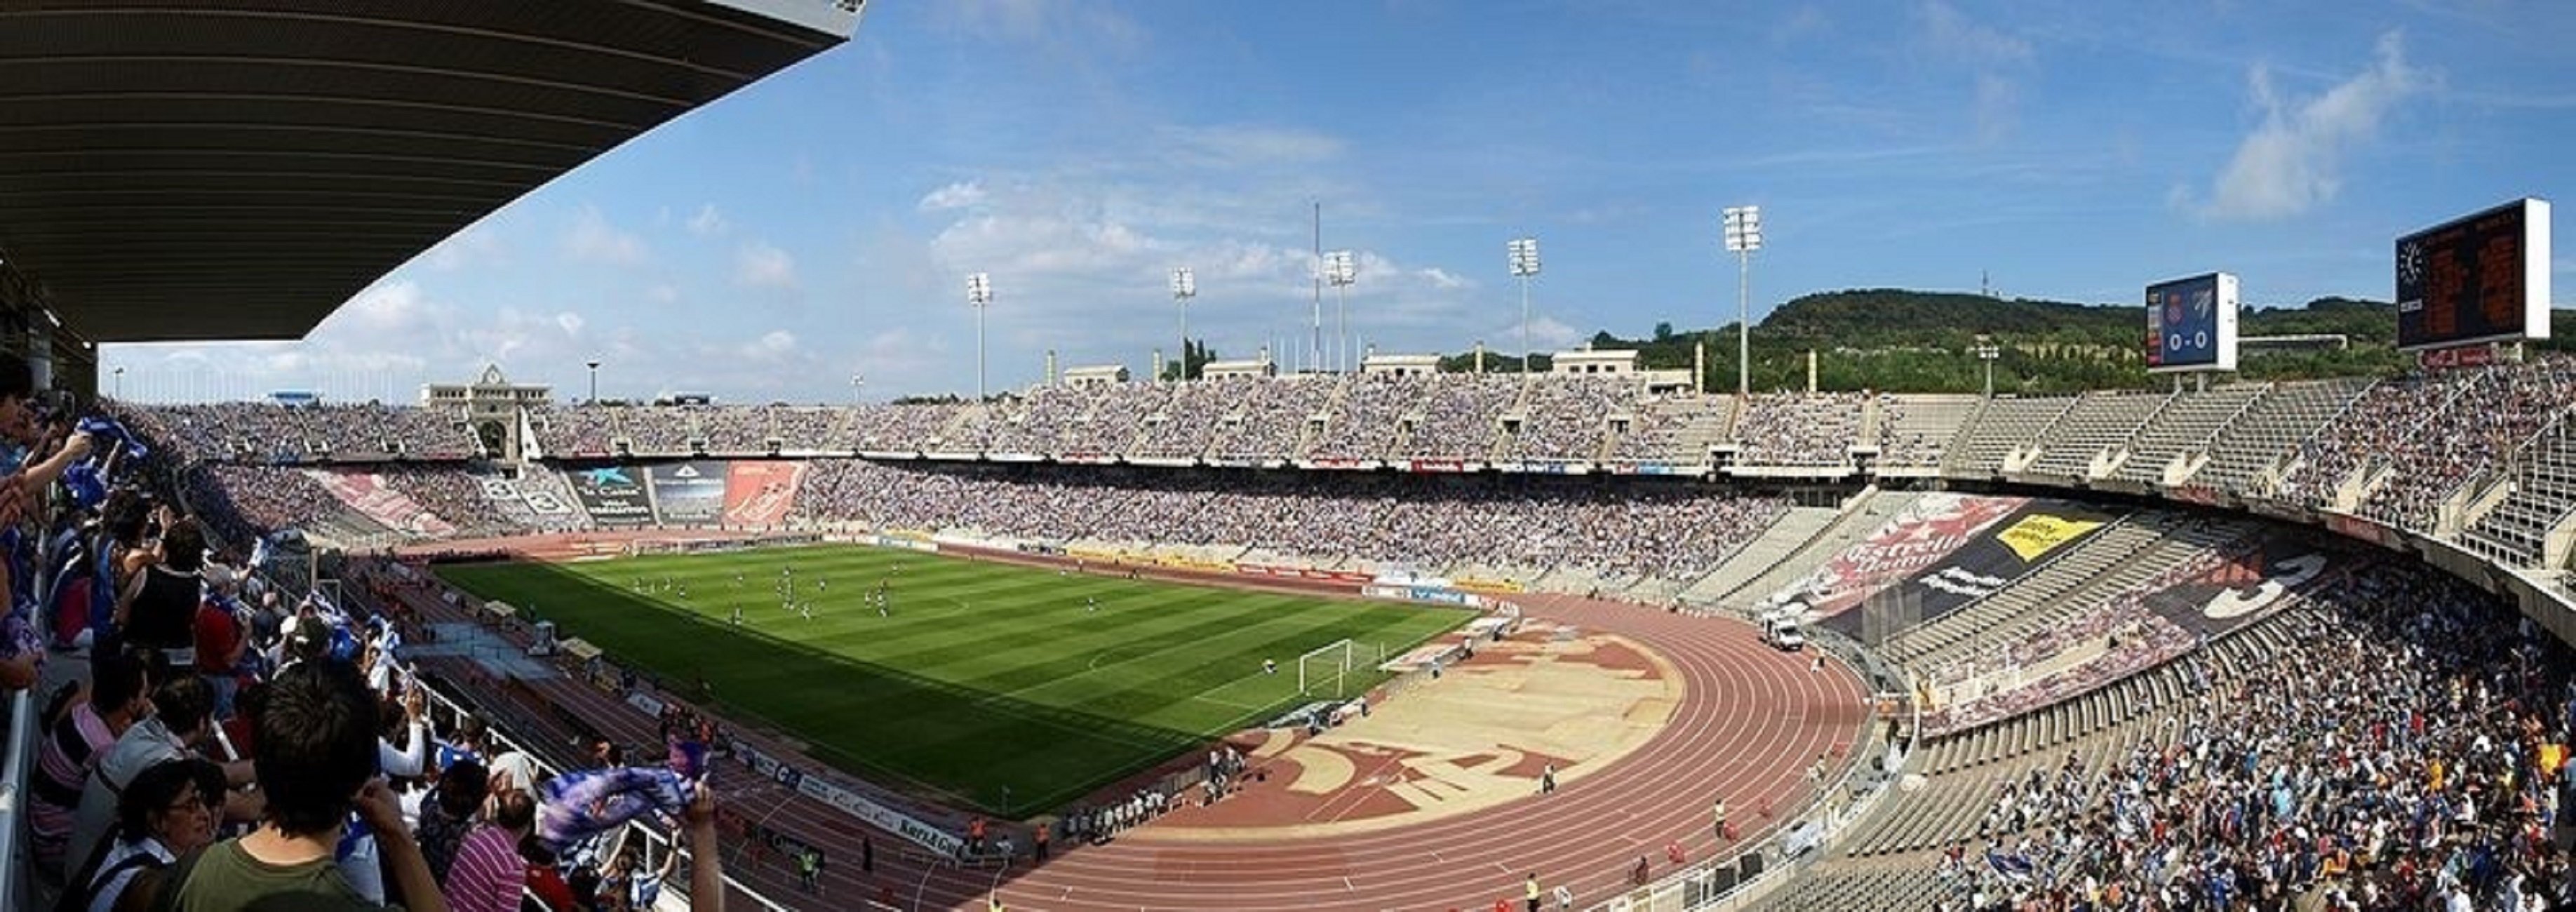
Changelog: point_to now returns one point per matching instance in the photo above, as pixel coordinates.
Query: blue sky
(821, 223)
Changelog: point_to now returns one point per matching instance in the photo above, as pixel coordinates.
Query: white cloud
(1990, 53)
(759, 265)
(959, 195)
(1246, 146)
(1951, 33)
(593, 240)
(475, 246)
(662, 294)
(770, 345)
(708, 222)
(2293, 160)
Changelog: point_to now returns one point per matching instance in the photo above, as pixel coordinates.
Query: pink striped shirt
(488, 873)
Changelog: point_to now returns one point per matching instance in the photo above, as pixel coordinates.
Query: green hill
(1919, 341)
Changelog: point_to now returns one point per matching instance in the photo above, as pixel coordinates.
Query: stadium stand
(1458, 417)
(1914, 432)
(1790, 429)
(2097, 423)
(2184, 427)
(2253, 444)
(1569, 418)
(2538, 496)
(1999, 430)
(1678, 430)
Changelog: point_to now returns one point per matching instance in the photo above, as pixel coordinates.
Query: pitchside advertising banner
(761, 493)
(612, 495)
(1992, 559)
(690, 492)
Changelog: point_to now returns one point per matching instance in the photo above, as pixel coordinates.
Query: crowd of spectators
(1667, 531)
(1570, 418)
(577, 430)
(1362, 424)
(2407, 751)
(2431, 433)
(1459, 416)
(1657, 431)
(211, 739)
(1272, 417)
(1189, 419)
(1791, 429)
(2496, 410)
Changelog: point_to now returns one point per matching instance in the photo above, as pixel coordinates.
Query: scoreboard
(2484, 278)
(2191, 324)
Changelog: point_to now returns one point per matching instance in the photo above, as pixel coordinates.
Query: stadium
(1614, 633)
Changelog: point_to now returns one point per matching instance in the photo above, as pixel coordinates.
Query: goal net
(1325, 667)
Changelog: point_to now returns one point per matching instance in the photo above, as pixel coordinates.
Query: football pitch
(991, 685)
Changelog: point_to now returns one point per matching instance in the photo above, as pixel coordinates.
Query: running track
(1750, 723)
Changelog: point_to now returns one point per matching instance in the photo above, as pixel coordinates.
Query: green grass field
(985, 676)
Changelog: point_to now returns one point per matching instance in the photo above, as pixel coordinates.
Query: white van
(1781, 631)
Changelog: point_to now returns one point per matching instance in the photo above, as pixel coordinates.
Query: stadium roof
(237, 169)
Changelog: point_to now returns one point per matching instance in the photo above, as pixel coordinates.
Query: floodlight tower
(1184, 287)
(1743, 236)
(1524, 260)
(1341, 270)
(979, 294)
(1988, 352)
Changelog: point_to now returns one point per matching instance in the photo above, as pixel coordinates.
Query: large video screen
(2483, 278)
(2191, 324)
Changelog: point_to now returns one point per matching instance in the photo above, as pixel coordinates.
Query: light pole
(1341, 270)
(1524, 258)
(594, 381)
(1987, 352)
(858, 388)
(1184, 287)
(979, 294)
(120, 383)
(1743, 236)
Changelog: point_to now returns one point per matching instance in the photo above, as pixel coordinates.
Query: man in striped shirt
(489, 872)
(118, 697)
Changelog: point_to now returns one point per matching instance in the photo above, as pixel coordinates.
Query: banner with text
(1926, 531)
(761, 493)
(612, 495)
(1990, 560)
(367, 493)
(690, 492)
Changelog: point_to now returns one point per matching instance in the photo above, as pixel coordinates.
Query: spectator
(317, 759)
(118, 697)
(181, 720)
(158, 617)
(449, 811)
(168, 811)
(489, 874)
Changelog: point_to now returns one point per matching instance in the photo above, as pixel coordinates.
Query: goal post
(1329, 664)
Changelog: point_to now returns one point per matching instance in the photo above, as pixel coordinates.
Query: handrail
(13, 791)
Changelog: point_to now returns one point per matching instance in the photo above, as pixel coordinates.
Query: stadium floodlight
(1184, 287)
(594, 381)
(979, 294)
(1524, 259)
(120, 383)
(858, 388)
(1341, 270)
(1743, 236)
(1988, 352)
